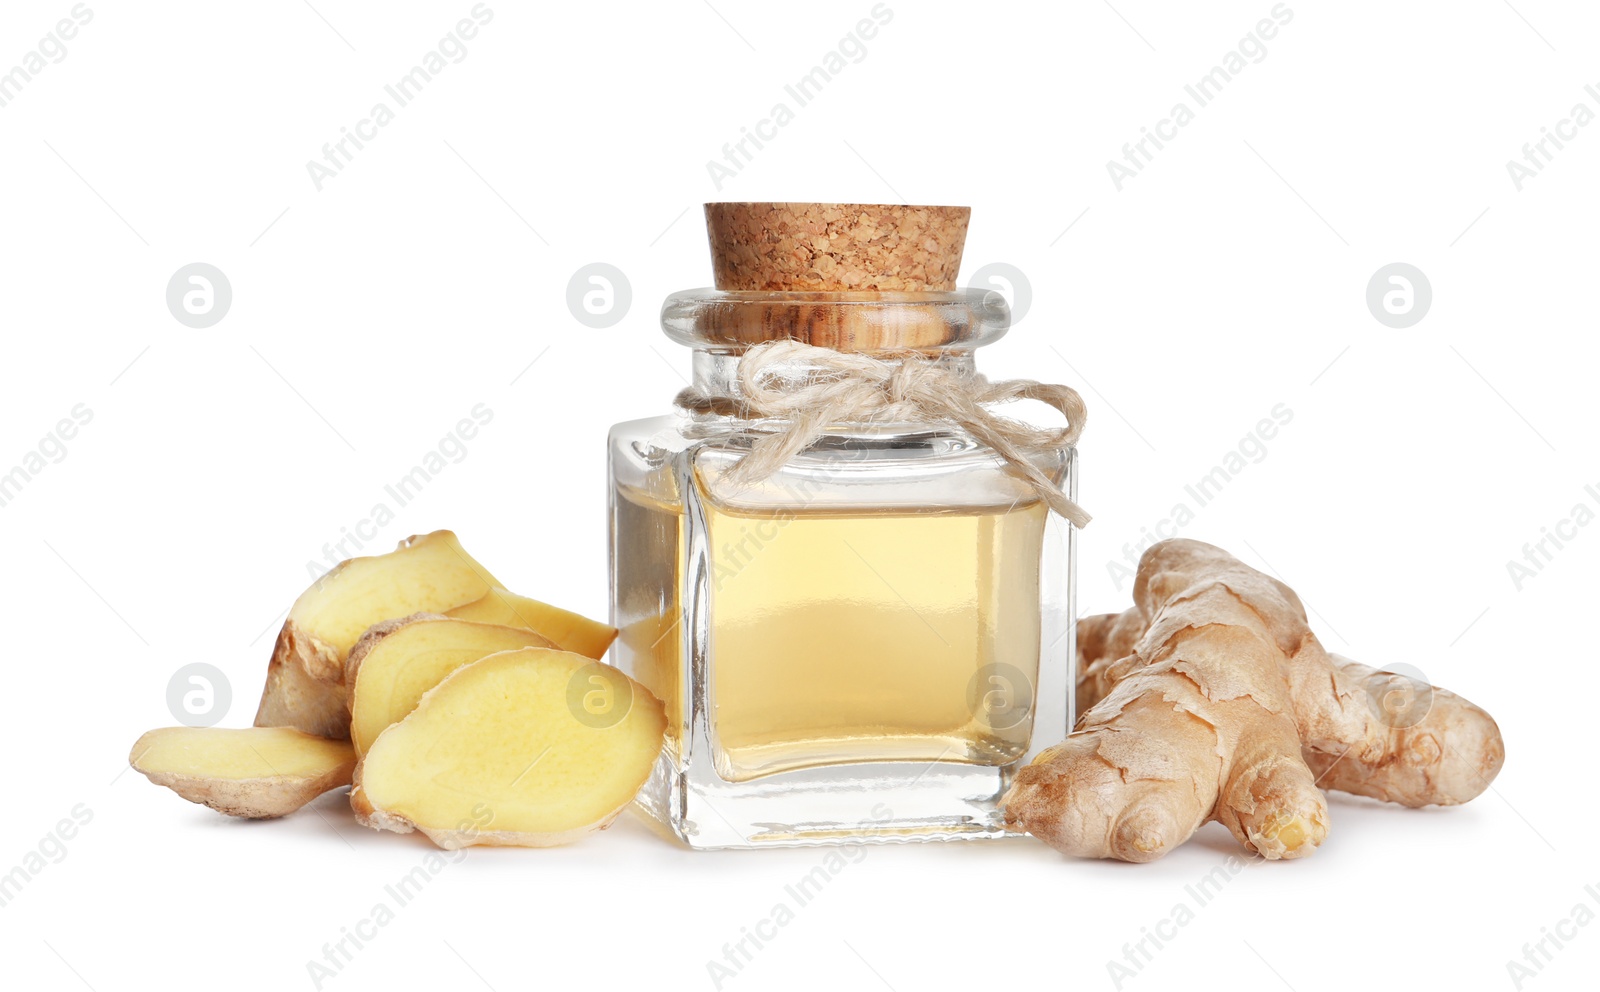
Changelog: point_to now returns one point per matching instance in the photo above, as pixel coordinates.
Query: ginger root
(258, 773)
(397, 661)
(1212, 699)
(526, 748)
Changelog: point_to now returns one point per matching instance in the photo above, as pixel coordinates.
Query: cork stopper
(836, 247)
(850, 276)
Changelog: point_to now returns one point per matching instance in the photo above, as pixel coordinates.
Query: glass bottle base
(859, 803)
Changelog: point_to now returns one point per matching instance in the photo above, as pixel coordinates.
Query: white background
(368, 317)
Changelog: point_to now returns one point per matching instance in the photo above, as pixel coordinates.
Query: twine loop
(840, 387)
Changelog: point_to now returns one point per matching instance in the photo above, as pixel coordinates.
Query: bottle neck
(716, 372)
(945, 327)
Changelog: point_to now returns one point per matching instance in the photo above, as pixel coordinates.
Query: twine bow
(840, 387)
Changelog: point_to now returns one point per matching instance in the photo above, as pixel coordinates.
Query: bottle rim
(733, 320)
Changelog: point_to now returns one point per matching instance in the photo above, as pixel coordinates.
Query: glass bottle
(865, 645)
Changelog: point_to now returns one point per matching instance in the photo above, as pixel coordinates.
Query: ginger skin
(1217, 661)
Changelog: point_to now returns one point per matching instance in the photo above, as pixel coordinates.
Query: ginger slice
(305, 680)
(397, 661)
(258, 772)
(570, 631)
(526, 748)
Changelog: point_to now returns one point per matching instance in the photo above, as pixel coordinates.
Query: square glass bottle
(866, 644)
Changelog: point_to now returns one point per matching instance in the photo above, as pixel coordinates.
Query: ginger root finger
(1103, 641)
(258, 772)
(1391, 737)
(1197, 725)
(1366, 731)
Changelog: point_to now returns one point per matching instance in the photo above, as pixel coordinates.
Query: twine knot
(834, 387)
